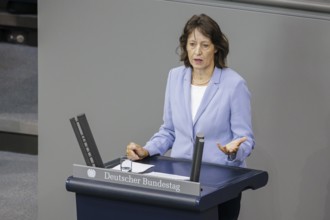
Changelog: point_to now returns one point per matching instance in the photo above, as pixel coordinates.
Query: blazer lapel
(187, 95)
(209, 93)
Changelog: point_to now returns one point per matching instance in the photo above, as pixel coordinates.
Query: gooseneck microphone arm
(197, 158)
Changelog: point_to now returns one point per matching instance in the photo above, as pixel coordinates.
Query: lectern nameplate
(137, 180)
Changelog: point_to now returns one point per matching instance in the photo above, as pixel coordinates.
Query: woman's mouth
(198, 61)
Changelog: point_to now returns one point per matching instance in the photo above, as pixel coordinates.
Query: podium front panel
(219, 184)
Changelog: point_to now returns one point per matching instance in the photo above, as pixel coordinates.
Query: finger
(223, 148)
(232, 150)
(131, 151)
(142, 153)
(233, 147)
(241, 140)
(132, 155)
(228, 149)
(132, 146)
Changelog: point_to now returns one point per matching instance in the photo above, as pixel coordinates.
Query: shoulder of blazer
(181, 72)
(231, 77)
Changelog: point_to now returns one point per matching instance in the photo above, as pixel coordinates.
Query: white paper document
(141, 167)
(136, 167)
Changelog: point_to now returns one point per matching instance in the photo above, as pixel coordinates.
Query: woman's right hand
(136, 152)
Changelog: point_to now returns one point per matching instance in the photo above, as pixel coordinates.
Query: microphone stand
(197, 157)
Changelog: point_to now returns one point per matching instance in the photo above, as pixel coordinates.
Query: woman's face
(201, 51)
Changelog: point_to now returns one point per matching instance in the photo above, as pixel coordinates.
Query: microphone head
(200, 135)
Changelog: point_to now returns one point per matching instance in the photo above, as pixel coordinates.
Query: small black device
(86, 141)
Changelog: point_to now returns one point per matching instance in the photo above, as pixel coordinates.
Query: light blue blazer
(223, 115)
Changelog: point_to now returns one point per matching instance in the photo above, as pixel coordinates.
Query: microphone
(197, 157)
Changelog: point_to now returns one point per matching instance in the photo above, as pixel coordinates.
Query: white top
(197, 93)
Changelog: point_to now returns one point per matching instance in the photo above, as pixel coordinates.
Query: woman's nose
(198, 50)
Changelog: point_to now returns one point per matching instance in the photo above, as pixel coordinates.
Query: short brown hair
(208, 27)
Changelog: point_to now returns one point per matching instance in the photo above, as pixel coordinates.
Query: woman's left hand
(233, 146)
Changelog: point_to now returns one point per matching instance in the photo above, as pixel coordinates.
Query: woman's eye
(191, 44)
(205, 45)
